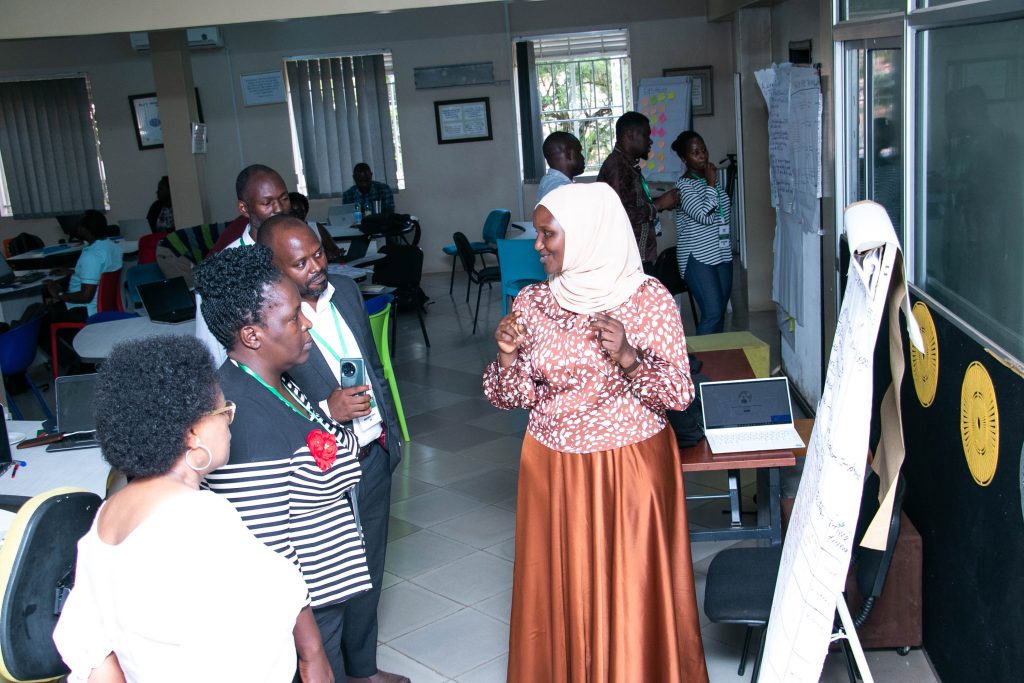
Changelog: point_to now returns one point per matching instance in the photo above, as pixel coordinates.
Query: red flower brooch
(323, 448)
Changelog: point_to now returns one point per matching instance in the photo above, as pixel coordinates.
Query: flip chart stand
(846, 630)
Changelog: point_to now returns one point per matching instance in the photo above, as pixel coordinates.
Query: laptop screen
(6, 274)
(76, 395)
(749, 403)
(168, 300)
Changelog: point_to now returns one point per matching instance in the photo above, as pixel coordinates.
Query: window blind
(613, 43)
(49, 148)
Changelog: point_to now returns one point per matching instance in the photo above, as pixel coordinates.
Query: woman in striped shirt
(291, 470)
(703, 246)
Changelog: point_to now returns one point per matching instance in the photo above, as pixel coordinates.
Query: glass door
(873, 125)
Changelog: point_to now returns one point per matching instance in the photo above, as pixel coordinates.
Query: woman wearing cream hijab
(603, 582)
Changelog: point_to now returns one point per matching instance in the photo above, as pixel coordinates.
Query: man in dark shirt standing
(621, 170)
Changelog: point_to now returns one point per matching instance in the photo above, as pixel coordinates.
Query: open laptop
(343, 216)
(9, 279)
(168, 301)
(749, 415)
(76, 418)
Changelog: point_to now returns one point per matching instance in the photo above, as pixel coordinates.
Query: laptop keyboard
(752, 440)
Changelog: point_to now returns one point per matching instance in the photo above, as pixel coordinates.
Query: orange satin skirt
(602, 587)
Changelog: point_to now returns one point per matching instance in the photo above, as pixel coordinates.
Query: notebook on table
(76, 418)
(749, 415)
(168, 301)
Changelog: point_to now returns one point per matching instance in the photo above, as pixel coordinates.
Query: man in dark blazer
(341, 334)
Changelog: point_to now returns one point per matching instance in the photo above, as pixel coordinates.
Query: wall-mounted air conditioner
(197, 38)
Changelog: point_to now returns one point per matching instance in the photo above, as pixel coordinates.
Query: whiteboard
(666, 104)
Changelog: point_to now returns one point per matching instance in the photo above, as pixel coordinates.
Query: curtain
(48, 147)
(342, 117)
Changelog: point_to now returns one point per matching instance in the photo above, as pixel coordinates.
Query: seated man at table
(366, 191)
(99, 256)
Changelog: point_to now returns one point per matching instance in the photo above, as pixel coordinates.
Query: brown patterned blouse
(579, 399)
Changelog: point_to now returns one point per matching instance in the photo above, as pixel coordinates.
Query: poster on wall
(666, 104)
(146, 115)
(266, 87)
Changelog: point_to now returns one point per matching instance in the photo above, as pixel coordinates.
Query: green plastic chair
(379, 326)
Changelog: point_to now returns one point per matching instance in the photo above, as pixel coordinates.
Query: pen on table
(17, 464)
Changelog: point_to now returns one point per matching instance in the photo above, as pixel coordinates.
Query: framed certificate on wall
(463, 120)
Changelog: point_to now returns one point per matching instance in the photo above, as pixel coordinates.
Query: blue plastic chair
(140, 275)
(17, 351)
(495, 228)
(520, 266)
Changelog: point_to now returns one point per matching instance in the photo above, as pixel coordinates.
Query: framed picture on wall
(146, 117)
(463, 120)
(702, 99)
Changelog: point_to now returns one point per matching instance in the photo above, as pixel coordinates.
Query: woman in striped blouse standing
(703, 246)
(291, 470)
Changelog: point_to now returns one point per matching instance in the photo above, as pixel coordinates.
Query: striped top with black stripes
(283, 497)
(702, 222)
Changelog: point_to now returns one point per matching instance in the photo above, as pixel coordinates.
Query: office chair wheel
(903, 651)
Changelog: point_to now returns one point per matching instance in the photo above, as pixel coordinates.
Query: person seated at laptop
(597, 354)
(300, 209)
(99, 256)
(366, 191)
(170, 584)
(161, 214)
(282, 447)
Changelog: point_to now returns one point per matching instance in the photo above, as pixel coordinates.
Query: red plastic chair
(147, 247)
(108, 300)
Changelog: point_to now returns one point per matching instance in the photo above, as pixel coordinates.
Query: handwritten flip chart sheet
(816, 554)
(793, 95)
(666, 104)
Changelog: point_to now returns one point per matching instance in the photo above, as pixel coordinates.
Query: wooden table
(732, 364)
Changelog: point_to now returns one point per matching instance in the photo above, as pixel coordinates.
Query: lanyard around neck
(312, 417)
(341, 338)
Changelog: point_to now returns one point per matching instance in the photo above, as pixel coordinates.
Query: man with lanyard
(341, 335)
(261, 194)
(621, 170)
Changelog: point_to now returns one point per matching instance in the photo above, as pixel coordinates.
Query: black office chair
(402, 268)
(666, 269)
(741, 581)
(484, 276)
(37, 572)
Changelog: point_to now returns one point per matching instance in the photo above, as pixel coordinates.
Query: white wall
(450, 187)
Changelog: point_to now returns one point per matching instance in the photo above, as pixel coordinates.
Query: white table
(94, 342)
(84, 469)
(343, 232)
(128, 247)
(16, 298)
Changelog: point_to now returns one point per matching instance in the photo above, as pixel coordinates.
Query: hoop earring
(209, 458)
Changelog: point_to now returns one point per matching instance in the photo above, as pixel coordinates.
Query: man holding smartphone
(345, 377)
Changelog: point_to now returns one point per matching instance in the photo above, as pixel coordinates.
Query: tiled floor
(447, 591)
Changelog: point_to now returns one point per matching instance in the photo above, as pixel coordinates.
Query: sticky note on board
(661, 96)
(661, 156)
(644, 102)
(661, 168)
(671, 95)
(650, 164)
